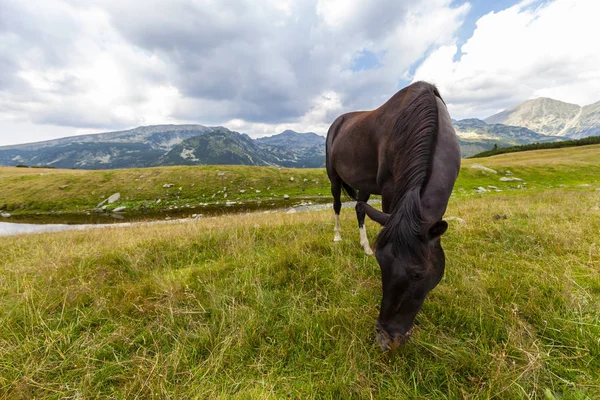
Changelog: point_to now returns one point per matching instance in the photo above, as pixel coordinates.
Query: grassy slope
(266, 306)
(539, 146)
(33, 190)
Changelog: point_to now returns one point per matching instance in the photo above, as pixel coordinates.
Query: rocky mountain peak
(546, 116)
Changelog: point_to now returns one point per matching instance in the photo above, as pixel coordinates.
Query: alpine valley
(534, 121)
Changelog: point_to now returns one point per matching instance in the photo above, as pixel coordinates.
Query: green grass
(266, 306)
(539, 146)
(30, 191)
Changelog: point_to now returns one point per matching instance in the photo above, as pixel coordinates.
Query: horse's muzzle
(387, 342)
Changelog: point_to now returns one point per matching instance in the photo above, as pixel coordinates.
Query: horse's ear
(437, 230)
(375, 215)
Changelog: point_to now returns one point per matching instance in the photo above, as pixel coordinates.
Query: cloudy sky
(71, 67)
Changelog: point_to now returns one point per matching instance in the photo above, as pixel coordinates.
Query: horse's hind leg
(360, 215)
(336, 191)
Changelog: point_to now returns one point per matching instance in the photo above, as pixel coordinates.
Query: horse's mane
(414, 138)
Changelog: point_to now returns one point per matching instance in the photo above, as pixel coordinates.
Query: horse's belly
(359, 178)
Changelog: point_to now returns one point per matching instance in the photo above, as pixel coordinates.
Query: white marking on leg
(364, 241)
(338, 228)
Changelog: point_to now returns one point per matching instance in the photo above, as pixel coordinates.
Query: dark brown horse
(406, 151)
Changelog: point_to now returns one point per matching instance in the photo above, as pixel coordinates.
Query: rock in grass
(168, 185)
(484, 168)
(63, 187)
(5, 215)
(119, 209)
(102, 203)
(113, 198)
(286, 197)
(511, 179)
(481, 189)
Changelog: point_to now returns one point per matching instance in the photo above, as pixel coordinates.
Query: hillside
(540, 146)
(169, 145)
(291, 150)
(476, 136)
(476, 129)
(187, 190)
(552, 117)
(215, 148)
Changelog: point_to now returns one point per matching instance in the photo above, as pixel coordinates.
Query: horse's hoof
(368, 251)
(337, 239)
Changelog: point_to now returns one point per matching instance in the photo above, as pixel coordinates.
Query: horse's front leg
(360, 215)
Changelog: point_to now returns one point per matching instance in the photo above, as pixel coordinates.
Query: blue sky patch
(366, 60)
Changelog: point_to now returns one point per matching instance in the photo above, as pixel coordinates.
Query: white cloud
(520, 53)
(261, 66)
(317, 119)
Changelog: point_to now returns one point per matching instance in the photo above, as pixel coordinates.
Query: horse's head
(406, 281)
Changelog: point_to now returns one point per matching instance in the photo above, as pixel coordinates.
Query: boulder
(511, 179)
(484, 168)
(102, 203)
(113, 198)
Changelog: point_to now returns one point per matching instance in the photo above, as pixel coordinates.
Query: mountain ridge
(156, 145)
(538, 120)
(552, 117)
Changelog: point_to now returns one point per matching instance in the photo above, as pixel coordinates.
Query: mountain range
(552, 117)
(533, 121)
(158, 145)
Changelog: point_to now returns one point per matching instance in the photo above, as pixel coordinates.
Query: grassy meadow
(266, 306)
(37, 190)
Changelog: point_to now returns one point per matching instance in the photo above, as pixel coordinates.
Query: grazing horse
(406, 151)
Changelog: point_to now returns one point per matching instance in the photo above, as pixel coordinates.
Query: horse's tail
(349, 190)
(331, 134)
